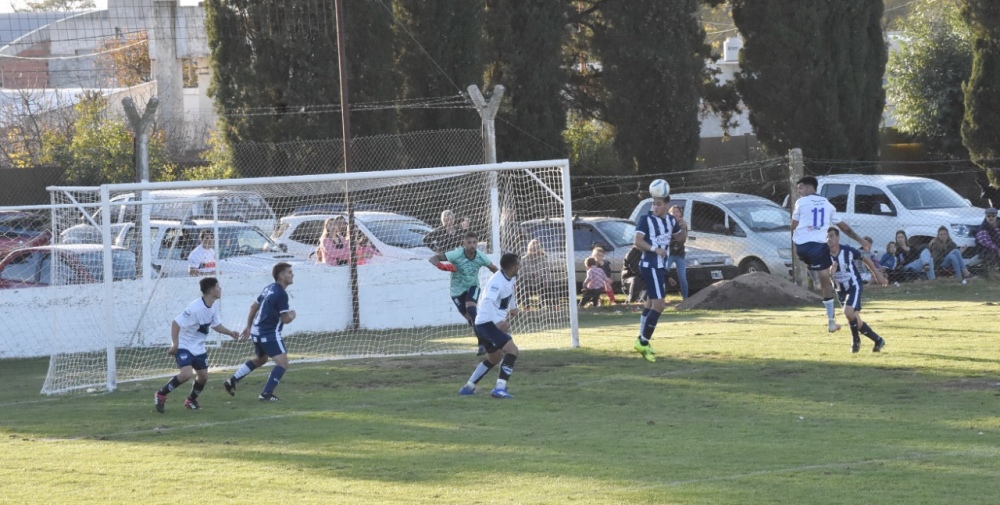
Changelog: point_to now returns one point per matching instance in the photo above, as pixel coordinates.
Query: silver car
(753, 230)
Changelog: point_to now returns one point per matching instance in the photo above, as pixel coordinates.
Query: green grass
(741, 407)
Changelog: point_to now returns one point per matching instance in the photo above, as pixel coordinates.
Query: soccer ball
(659, 189)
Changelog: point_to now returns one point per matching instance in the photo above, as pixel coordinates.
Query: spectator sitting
(533, 278)
(917, 261)
(333, 246)
(598, 254)
(866, 276)
(448, 236)
(891, 262)
(948, 255)
(988, 239)
(596, 283)
(632, 284)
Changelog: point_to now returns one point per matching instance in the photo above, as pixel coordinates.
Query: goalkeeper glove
(447, 267)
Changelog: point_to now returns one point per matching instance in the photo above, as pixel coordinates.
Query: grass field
(741, 407)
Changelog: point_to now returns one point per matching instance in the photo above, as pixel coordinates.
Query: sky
(7, 5)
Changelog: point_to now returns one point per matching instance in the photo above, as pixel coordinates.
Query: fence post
(795, 172)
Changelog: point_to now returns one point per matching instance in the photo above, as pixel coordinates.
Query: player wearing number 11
(811, 218)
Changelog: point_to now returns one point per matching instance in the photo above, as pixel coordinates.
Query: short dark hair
(809, 181)
(508, 260)
(207, 284)
(471, 234)
(278, 269)
(590, 262)
(205, 233)
(834, 230)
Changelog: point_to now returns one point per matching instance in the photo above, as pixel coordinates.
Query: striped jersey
(848, 272)
(657, 232)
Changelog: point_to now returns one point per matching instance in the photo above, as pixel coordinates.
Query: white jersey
(195, 322)
(202, 260)
(814, 214)
(496, 299)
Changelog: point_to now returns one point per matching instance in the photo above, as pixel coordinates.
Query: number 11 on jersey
(819, 217)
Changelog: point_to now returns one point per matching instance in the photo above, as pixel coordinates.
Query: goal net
(114, 325)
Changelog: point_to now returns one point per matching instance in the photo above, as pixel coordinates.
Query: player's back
(814, 215)
(273, 300)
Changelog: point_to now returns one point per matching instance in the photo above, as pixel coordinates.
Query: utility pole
(795, 172)
(141, 124)
(488, 113)
(345, 121)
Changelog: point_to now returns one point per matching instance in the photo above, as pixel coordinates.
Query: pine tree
(443, 57)
(981, 125)
(524, 51)
(812, 76)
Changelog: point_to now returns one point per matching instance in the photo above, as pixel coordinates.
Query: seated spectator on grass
(947, 254)
(534, 278)
(917, 260)
(595, 284)
(866, 276)
(988, 240)
(891, 263)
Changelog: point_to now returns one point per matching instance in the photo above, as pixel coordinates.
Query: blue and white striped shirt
(657, 232)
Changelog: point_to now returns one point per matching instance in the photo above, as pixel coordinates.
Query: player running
(464, 264)
(187, 334)
(653, 234)
(497, 302)
(847, 280)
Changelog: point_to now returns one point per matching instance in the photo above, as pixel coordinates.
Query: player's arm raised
(175, 335)
(846, 228)
(436, 261)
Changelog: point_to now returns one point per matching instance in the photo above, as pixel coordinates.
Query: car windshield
(926, 195)
(405, 233)
(243, 241)
(762, 217)
(621, 233)
(122, 263)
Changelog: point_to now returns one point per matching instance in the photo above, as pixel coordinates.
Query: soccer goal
(395, 302)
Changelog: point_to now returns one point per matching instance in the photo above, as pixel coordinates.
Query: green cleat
(645, 350)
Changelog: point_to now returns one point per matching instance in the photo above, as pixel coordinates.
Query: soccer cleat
(879, 345)
(832, 327)
(268, 397)
(855, 348)
(230, 387)
(159, 401)
(501, 394)
(481, 350)
(466, 390)
(191, 404)
(645, 351)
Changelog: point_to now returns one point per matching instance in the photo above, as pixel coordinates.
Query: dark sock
(854, 333)
(507, 366)
(196, 390)
(168, 387)
(867, 331)
(651, 319)
(274, 379)
(480, 371)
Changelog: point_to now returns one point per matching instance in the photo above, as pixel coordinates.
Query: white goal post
(116, 330)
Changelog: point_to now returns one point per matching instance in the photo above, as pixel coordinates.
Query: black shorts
(471, 295)
(491, 337)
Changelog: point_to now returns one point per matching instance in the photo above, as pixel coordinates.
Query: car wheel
(753, 265)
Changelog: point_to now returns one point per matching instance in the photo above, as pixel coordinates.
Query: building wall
(19, 74)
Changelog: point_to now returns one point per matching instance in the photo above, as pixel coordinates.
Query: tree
(524, 50)
(926, 73)
(54, 5)
(812, 77)
(652, 55)
(275, 79)
(981, 125)
(126, 59)
(99, 149)
(451, 33)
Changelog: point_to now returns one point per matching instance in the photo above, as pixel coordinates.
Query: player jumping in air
(811, 218)
(497, 302)
(464, 266)
(268, 314)
(187, 334)
(847, 280)
(653, 234)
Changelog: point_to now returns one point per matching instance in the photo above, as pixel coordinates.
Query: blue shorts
(491, 337)
(850, 297)
(471, 295)
(185, 358)
(815, 254)
(656, 282)
(271, 345)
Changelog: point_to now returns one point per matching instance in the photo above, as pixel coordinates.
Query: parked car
(89, 234)
(616, 236)
(74, 264)
(392, 235)
(753, 230)
(879, 205)
(20, 229)
(244, 206)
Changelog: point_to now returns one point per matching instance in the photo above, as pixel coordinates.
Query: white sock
(242, 372)
(501, 384)
(829, 309)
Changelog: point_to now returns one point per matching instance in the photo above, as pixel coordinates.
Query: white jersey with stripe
(496, 299)
(846, 273)
(657, 232)
(195, 322)
(814, 215)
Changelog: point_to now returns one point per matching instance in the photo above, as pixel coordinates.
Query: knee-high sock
(650, 326)
(274, 379)
(867, 331)
(642, 320)
(828, 303)
(855, 338)
(196, 389)
(506, 368)
(169, 386)
(480, 371)
(243, 370)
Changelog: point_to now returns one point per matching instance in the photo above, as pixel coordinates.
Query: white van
(244, 206)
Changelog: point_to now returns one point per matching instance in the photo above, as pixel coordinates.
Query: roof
(724, 197)
(14, 25)
(879, 178)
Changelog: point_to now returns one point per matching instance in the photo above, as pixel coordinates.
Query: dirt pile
(750, 291)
